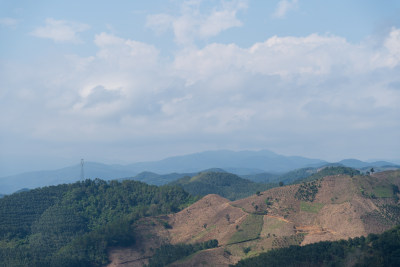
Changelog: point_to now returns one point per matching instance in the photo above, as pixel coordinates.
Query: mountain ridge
(237, 162)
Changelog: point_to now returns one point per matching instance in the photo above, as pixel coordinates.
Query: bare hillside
(331, 208)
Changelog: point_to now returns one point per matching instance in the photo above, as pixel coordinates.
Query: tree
(372, 170)
(280, 183)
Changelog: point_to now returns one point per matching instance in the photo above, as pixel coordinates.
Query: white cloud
(8, 22)
(296, 91)
(390, 56)
(193, 24)
(61, 31)
(284, 56)
(217, 22)
(283, 7)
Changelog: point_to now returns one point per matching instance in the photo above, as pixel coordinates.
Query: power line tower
(82, 172)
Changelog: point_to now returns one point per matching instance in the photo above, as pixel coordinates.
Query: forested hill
(227, 185)
(74, 224)
(301, 175)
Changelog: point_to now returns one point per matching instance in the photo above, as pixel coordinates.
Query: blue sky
(127, 81)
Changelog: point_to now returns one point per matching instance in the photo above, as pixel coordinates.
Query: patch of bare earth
(213, 217)
(335, 189)
(279, 199)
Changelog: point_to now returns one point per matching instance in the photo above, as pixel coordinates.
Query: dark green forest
(74, 224)
(371, 251)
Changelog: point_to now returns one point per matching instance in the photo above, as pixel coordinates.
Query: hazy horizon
(146, 80)
(78, 162)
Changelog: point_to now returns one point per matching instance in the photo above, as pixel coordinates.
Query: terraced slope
(332, 208)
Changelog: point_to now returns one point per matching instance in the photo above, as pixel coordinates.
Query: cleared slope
(332, 208)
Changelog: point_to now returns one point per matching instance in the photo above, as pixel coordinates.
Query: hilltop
(327, 209)
(225, 184)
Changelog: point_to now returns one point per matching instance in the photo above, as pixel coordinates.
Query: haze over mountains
(240, 163)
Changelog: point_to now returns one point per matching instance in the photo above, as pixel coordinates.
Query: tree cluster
(307, 191)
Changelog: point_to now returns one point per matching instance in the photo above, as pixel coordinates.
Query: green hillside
(328, 171)
(74, 224)
(298, 174)
(264, 177)
(224, 184)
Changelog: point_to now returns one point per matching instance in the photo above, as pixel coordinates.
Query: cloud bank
(315, 95)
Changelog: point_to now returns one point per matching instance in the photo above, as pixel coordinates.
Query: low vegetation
(249, 229)
(383, 191)
(310, 207)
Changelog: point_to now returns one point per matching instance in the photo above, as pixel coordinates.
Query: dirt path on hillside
(279, 218)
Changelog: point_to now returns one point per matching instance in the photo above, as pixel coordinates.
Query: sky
(126, 81)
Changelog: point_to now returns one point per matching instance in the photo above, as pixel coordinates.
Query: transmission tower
(82, 172)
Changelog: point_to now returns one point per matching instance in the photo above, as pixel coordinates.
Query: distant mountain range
(163, 171)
